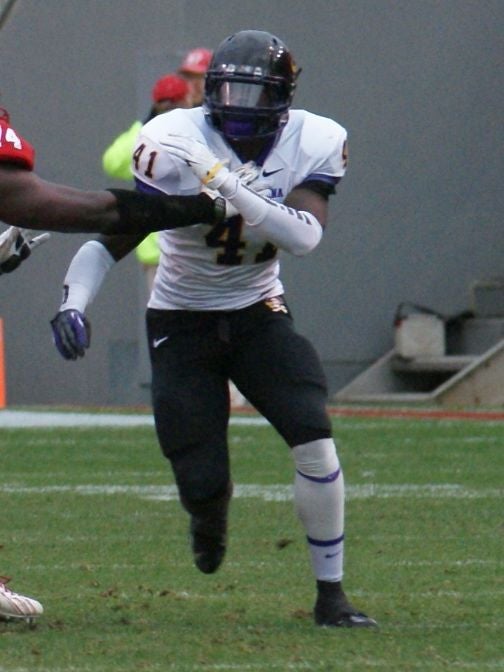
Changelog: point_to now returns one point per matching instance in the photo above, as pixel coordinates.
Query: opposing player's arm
(27, 200)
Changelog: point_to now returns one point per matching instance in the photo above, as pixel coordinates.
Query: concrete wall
(418, 85)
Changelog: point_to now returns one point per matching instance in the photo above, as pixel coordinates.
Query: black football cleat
(208, 542)
(208, 531)
(332, 609)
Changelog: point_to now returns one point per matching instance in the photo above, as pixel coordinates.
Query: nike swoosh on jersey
(157, 341)
(267, 173)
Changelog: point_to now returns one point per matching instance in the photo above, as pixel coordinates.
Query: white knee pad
(317, 460)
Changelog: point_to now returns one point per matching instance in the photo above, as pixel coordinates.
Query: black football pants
(194, 354)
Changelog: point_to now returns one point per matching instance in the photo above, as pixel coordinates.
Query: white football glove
(16, 245)
(248, 174)
(205, 165)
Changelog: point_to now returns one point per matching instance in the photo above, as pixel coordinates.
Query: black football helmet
(249, 86)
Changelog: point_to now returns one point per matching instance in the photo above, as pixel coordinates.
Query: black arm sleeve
(144, 213)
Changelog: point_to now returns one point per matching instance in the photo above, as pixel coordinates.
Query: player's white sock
(319, 499)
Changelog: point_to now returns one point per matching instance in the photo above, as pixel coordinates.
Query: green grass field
(91, 527)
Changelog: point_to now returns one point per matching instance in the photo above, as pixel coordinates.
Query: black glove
(71, 333)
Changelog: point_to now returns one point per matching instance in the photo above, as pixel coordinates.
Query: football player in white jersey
(217, 310)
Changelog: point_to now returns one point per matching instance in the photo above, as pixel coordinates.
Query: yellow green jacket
(116, 161)
(148, 251)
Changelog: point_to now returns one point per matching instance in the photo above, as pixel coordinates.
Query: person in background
(169, 92)
(193, 68)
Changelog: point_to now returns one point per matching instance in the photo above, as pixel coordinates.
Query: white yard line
(27, 419)
(452, 563)
(268, 493)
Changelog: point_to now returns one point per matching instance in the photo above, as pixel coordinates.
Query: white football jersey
(204, 267)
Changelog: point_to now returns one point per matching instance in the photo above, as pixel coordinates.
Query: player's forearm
(85, 275)
(144, 213)
(72, 210)
(27, 200)
(122, 211)
(295, 231)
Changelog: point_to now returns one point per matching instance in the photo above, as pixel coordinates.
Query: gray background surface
(419, 86)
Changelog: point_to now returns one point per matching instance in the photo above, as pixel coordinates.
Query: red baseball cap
(170, 87)
(196, 62)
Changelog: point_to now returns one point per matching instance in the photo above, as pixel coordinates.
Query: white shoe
(14, 606)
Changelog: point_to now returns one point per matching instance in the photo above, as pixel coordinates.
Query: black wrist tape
(144, 213)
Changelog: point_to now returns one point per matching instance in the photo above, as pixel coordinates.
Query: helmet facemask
(249, 86)
(246, 108)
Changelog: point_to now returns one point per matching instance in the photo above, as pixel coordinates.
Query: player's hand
(71, 333)
(205, 165)
(16, 245)
(248, 174)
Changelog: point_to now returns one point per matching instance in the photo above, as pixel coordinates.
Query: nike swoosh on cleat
(267, 173)
(157, 341)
